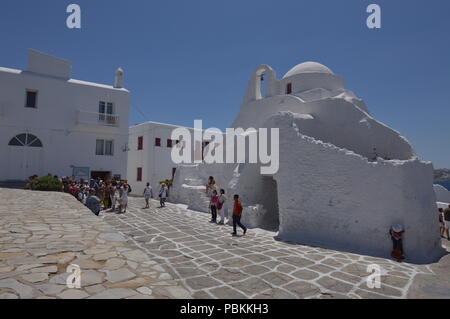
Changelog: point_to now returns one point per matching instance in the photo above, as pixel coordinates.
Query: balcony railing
(98, 119)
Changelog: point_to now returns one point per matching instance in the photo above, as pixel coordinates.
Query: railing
(101, 119)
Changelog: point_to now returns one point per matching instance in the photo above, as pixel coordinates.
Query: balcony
(85, 118)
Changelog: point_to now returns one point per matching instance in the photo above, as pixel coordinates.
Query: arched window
(25, 139)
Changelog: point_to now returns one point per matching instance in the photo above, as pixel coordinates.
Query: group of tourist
(444, 221)
(163, 195)
(100, 195)
(218, 205)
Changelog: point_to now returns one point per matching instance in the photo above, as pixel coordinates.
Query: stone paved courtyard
(210, 263)
(42, 233)
(176, 253)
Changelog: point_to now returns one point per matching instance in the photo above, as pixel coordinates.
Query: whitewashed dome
(308, 67)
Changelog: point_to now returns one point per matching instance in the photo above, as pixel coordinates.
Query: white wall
(442, 194)
(156, 162)
(338, 199)
(328, 191)
(66, 140)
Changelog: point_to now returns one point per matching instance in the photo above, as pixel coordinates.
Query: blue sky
(187, 60)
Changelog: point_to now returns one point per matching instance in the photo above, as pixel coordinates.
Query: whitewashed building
(344, 178)
(50, 123)
(149, 154)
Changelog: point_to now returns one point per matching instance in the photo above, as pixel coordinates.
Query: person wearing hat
(396, 233)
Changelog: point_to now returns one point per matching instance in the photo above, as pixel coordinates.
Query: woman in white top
(114, 197)
(124, 199)
(222, 206)
(148, 193)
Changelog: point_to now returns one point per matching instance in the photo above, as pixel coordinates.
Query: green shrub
(46, 183)
(168, 182)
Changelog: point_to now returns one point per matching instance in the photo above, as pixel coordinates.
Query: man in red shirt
(237, 214)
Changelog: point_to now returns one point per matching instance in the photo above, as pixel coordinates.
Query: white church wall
(339, 200)
(344, 178)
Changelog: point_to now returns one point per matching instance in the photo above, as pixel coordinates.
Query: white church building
(51, 123)
(344, 178)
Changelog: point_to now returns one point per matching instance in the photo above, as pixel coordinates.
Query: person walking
(148, 193)
(163, 194)
(213, 206)
(237, 215)
(221, 206)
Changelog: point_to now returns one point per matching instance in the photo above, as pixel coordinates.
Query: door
(33, 162)
(25, 152)
(16, 161)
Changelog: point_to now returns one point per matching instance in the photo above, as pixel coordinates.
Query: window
(289, 88)
(106, 112)
(25, 139)
(100, 147)
(31, 99)
(140, 143)
(139, 174)
(169, 143)
(104, 147)
(157, 142)
(109, 148)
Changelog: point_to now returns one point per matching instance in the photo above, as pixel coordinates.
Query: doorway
(270, 220)
(103, 175)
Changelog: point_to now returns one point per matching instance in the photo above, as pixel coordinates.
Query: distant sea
(446, 184)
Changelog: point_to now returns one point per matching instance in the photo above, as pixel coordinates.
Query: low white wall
(442, 194)
(334, 198)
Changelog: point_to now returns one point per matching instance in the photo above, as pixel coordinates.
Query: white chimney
(118, 80)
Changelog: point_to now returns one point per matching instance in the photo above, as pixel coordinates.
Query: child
(148, 193)
(213, 206)
(237, 214)
(396, 233)
(221, 206)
